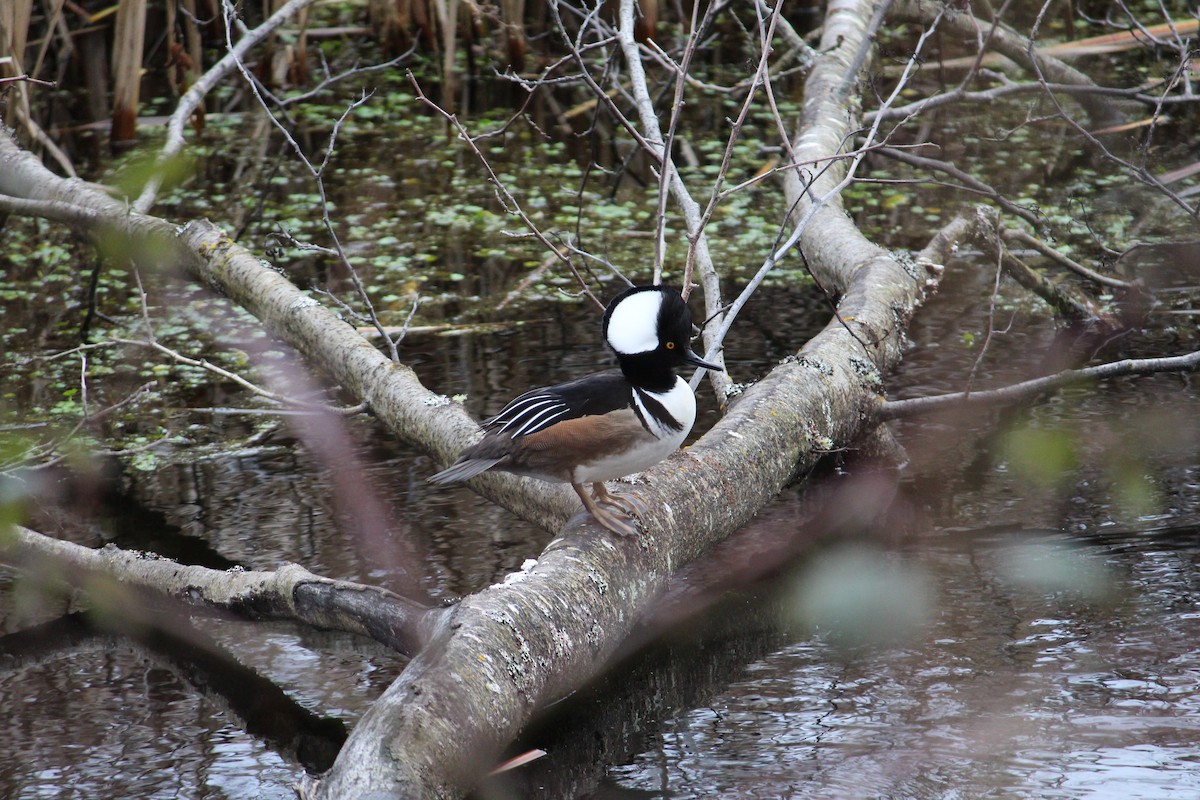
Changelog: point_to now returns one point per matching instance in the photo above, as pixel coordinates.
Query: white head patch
(633, 324)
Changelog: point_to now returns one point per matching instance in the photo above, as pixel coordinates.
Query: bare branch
(1139, 172)
(28, 79)
(1003, 39)
(968, 182)
(761, 78)
(1008, 88)
(1026, 390)
(805, 205)
(1020, 236)
(290, 592)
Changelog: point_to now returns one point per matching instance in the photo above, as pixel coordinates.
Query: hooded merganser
(602, 426)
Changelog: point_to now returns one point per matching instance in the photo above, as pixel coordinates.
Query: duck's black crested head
(649, 328)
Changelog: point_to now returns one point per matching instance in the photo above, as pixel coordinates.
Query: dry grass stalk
(14, 25)
(128, 42)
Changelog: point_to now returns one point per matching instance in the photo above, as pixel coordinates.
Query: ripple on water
(1013, 692)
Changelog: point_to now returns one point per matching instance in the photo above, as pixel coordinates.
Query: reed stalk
(128, 42)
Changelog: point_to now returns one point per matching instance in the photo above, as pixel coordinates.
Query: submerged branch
(1021, 237)
(1064, 299)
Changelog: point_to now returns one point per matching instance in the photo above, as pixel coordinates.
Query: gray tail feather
(464, 470)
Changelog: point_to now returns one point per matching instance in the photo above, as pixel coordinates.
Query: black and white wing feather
(536, 411)
(529, 413)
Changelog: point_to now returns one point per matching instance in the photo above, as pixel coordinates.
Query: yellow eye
(670, 345)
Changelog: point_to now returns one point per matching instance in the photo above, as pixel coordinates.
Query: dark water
(1019, 622)
(1012, 689)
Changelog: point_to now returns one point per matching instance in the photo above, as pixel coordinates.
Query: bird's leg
(621, 526)
(629, 502)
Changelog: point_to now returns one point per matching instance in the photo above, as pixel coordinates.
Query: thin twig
(897, 409)
(175, 355)
(991, 315)
(970, 182)
(1015, 234)
(29, 79)
(204, 84)
(1140, 173)
(761, 77)
(507, 201)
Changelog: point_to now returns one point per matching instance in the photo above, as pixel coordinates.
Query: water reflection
(108, 723)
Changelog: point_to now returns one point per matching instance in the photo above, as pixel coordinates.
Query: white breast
(680, 403)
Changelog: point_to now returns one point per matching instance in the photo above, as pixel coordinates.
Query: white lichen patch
(736, 389)
(815, 364)
(301, 303)
(524, 651)
(438, 401)
(597, 579)
(503, 617)
(515, 670)
(908, 264)
(563, 643)
(516, 660)
(866, 371)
